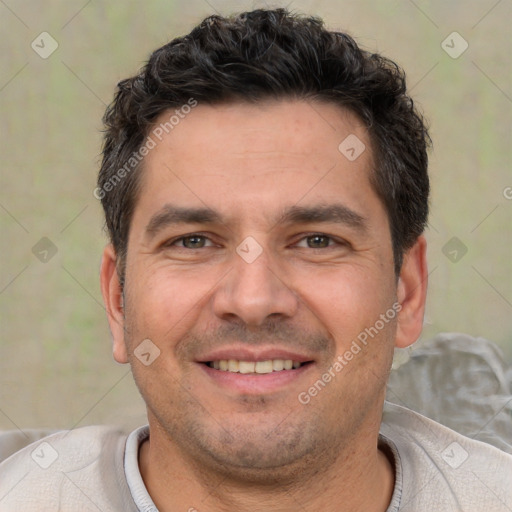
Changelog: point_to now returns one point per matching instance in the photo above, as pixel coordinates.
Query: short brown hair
(270, 54)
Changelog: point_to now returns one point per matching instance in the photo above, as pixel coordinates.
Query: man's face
(255, 239)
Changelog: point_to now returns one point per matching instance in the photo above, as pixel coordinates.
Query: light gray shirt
(96, 468)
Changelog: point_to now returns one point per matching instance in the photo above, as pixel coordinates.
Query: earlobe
(113, 299)
(411, 294)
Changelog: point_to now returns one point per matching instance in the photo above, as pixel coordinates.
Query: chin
(274, 451)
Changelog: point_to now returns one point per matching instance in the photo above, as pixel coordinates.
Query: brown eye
(193, 242)
(318, 241)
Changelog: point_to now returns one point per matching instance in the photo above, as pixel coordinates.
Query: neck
(359, 478)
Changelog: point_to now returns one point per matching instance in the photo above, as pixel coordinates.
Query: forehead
(260, 156)
(286, 126)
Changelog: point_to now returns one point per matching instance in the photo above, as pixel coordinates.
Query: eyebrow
(170, 215)
(337, 213)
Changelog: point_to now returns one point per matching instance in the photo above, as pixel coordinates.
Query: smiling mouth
(258, 367)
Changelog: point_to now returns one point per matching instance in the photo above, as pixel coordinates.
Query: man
(265, 189)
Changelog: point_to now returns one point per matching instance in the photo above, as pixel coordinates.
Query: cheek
(346, 301)
(164, 302)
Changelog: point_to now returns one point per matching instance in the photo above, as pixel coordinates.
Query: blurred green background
(56, 368)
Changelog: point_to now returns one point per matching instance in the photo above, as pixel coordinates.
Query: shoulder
(12, 441)
(444, 470)
(80, 469)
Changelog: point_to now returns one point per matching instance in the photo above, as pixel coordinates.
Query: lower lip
(256, 384)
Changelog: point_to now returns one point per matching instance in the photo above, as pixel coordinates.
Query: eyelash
(175, 241)
(332, 240)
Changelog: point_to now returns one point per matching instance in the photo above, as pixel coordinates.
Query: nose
(253, 292)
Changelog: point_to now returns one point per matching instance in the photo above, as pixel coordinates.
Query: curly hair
(270, 54)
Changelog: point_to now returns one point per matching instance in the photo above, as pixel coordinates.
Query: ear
(412, 293)
(113, 299)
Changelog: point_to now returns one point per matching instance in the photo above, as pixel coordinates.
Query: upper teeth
(269, 366)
